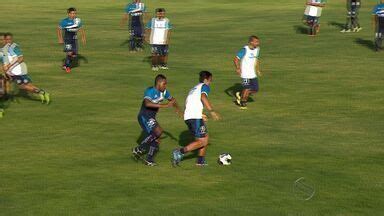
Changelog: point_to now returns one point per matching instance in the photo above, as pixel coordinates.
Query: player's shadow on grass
(77, 61)
(299, 29)
(336, 24)
(367, 43)
(231, 91)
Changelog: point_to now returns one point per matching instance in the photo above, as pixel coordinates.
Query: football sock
(68, 61)
(132, 43)
(144, 145)
(182, 151)
(200, 159)
(153, 149)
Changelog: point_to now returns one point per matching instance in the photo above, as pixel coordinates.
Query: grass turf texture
(319, 115)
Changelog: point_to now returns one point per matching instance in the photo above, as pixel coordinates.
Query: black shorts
(252, 84)
(197, 127)
(70, 46)
(161, 50)
(147, 123)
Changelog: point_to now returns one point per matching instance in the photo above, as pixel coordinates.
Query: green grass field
(319, 115)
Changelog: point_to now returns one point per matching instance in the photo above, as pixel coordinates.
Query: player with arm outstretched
(70, 26)
(135, 15)
(196, 101)
(247, 66)
(15, 69)
(152, 102)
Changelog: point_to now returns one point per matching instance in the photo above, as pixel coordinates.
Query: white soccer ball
(224, 159)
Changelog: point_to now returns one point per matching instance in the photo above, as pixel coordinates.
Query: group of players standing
(313, 12)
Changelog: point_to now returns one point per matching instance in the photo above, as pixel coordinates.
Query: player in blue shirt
(378, 24)
(135, 13)
(152, 102)
(70, 26)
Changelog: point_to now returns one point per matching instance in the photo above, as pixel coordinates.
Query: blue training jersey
(156, 97)
(378, 10)
(70, 27)
(135, 9)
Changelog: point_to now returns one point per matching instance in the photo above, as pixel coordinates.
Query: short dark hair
(7, 34)
(160, 10)
(203, 75)
(252, 37)
(160, 78)
(69, 10)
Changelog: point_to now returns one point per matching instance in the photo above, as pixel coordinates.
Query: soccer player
(247, 65)
(314, 21)
(152, 102)
(15, 68)
(135, 12)
(70, 26)
(197, 99)
(378, 24)
(352, 23)
(158, 31)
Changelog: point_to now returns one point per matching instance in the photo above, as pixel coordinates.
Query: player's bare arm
(59, 35)
(258, 71)
(83, 36)
(208, 106)
(236, 61)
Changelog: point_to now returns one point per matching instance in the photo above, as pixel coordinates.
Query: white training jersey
(11, 52)
(159, 30)
(193, 105)
(248, 58)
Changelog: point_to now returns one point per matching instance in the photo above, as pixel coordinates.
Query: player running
(158, 32)
(153, 96)
(197, 99)
(247, 65)
(378, 24)
(16, 70)
(135, 12)
(352, 24)
(70, 26)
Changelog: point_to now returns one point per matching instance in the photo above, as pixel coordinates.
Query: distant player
(135, 12)
(152, 102)
(70, 26)
(352, 24)
(197, 99)
(247, 65)
(158, 31)
(378, 24)
(312, 15)
(15, 69)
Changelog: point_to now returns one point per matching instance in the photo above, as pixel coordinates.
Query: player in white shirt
(197, 99)
(14, 68)
(157, 33)
(247, 65)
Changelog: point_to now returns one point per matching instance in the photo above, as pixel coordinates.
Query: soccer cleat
(68, 69)
(164, 67)
(201, 163)
(343, 31)
(177, 156)
(155, 68)
(238, 98)
(42, 98)
(136, 153)
(243, 107)
(357, 29)
(47, 98)
(349, 30)
(150, 163)
(64, 67)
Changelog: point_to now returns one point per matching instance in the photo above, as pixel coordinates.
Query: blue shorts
(70, 46)
(22, 79)
(197, 127)
(147, 123)
(161, 50)
(312, 20)
(252, 84)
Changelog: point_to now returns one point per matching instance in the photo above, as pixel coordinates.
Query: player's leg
(199, 131)
(164, 57)
(155, 57)
(25, 83)
(139, 38)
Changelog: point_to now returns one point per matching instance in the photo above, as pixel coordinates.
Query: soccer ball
(224, 159)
